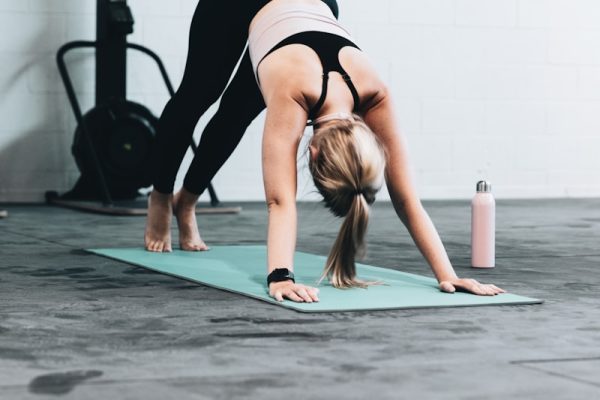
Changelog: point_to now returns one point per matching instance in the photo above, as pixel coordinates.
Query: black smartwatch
(280, 275)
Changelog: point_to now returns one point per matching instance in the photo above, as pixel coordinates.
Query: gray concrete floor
(78, 326)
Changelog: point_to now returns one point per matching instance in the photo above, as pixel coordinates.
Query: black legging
(218, 35)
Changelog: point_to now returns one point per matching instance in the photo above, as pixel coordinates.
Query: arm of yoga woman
(380, 118)
(285, 123)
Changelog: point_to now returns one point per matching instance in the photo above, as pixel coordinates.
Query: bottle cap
(484, 187)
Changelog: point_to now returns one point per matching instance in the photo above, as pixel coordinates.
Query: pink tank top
(284, 20)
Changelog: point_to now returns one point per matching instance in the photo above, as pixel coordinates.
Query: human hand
(470, 286)
(293, 291)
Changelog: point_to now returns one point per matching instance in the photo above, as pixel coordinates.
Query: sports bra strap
(317, 107)
(353, 90)
(327, 46)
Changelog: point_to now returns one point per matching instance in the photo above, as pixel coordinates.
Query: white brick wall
(503, 89)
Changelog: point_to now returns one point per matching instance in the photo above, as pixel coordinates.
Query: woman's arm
(285, 123)
(380, 118)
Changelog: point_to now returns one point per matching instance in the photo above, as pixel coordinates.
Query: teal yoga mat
(242, 269)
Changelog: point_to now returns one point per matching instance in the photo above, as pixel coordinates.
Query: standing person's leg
(241, 103)
(218, 34)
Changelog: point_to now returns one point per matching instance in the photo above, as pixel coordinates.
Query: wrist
(447, 278)
(274, 286)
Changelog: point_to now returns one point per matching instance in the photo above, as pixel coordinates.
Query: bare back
(296, 71)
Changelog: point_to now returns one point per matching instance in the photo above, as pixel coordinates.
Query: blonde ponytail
(348, 171)
(349, 245)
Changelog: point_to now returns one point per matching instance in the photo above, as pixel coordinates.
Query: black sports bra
(327, 46)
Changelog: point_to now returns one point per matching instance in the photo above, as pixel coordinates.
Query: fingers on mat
(498, 290)
(313, 293)
(303, 293)
(447, 287)
(278, 296)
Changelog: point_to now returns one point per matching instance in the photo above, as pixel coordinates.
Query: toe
(201, 246)
(185, 247)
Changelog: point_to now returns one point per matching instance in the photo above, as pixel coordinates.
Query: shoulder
(290, 74)
(378, 94)
(364, 74)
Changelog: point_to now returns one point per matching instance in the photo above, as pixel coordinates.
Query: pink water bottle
(483, 227)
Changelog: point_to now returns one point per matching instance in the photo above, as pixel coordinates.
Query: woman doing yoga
(309, 68)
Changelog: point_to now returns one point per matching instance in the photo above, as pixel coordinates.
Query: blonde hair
(347, 169)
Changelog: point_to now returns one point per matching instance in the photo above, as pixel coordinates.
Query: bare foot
(184, 206)
(157, 237)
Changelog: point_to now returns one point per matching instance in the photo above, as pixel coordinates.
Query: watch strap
(280, 275)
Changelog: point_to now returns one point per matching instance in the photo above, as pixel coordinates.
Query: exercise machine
(112, 141)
